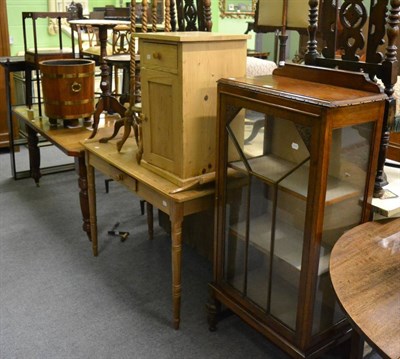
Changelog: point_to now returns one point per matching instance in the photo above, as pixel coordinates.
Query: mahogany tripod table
(107, 102)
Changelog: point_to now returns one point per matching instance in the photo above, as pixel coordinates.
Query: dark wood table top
(100, 22)
(67, 140)
(365, 273)
(4, 60)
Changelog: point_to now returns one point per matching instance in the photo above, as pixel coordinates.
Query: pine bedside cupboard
(179, 74)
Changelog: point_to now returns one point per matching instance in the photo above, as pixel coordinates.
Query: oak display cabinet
(303, 174)
(179, 73)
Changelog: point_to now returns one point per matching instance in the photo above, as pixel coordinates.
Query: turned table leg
(34, 154)
(80, 168)
(91, 190)
(150, 220)
(357, 346)
(176, 218)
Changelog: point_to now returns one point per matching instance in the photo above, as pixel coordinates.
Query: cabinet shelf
(288, 241)
(272, 169)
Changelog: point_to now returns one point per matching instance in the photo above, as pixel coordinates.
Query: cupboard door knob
(118, 177)
(156, 55)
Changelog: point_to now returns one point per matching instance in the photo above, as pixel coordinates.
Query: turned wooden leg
(139, 142)
(28, 86)
(118, 124)
(150, 220)
(80, 168)
(91, 190)
(120, 109)
(380, 179)
(357, 346)
(128, 120)
(34, 154)
(96, 116)
(213, 308)
(176, 217)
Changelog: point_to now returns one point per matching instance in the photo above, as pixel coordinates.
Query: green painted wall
(15, 9)
(14, 13)
(239, 26)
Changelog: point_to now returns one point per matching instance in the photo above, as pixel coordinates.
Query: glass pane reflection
(266, 204)
(348, 174)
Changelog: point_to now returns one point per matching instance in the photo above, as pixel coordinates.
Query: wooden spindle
(167, 16)
(145, 8)
(154, 16)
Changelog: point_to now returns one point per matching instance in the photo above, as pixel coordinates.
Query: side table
(155, 190)
(68, 141)
(365, 273)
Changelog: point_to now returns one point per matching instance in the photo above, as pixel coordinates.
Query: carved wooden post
(129, 120)
(352, 30)
(132, 51)
(330, 11)
(312, 52)
(172, 11)
(283, 36)
(390, 71)
(180, 15)
(207, 15)
(190, 15)
(390, 61)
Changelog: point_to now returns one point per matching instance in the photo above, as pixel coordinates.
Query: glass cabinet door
(347, 176)
(266, 190)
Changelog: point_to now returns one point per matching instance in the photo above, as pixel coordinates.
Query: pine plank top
(190, 36)
(125, 160)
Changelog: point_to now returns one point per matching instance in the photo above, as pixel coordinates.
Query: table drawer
(159, 55)
(114, 173)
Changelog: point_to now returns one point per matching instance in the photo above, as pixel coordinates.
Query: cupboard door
(348, 171)
(162, 126)
(268, 175)
(266, 197)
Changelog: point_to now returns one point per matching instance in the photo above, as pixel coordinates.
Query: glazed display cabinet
(296, 163)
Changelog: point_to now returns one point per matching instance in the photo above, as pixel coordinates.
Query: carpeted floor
(57, 301)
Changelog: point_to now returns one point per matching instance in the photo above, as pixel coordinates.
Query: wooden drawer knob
(156, 55)
(118, 177)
